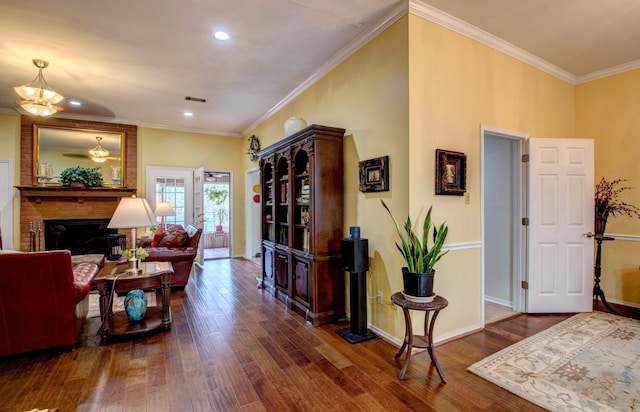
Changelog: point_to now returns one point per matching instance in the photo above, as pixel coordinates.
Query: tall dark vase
(418, 284)
(600, 223)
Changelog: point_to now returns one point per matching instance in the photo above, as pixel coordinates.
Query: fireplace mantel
(40, 203)
(41, 192)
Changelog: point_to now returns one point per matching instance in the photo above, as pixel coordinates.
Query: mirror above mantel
(63, 147)
(29, 160)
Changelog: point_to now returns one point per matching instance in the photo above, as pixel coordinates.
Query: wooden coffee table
(113, 279)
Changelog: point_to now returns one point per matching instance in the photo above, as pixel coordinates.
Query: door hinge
(525, 221)
(524, 285)
(525, 158)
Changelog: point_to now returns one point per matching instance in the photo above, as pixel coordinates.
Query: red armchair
(175, 245)
(43, 300)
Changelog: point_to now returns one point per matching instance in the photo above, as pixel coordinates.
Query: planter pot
(418, 284)
(219, 228)
(600, 224)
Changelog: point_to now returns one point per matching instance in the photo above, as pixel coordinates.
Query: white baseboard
(620, 302)
(443, 338)
(498, 301)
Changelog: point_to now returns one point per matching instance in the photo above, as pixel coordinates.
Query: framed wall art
(374, 175)
(451, 173)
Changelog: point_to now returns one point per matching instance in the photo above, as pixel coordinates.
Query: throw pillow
(174, 236)
(157, 237)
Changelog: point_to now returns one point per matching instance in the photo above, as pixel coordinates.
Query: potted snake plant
(421, 259)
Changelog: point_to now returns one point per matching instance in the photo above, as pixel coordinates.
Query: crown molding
(75, 116)
(454, 24)
(611, 71)
(6, 110)
(353, 46)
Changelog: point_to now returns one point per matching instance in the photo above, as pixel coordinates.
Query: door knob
(589, 234)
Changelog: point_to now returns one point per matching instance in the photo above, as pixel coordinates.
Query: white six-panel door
(560, 275)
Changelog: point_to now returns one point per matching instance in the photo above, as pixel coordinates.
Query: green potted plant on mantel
(420, 271)
(81, 176)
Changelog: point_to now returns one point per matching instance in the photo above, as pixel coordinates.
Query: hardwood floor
(234, 347)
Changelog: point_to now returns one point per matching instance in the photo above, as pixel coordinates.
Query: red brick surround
(72, 207)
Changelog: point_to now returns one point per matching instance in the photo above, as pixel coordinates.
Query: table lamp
(132, 212)
(164, 209)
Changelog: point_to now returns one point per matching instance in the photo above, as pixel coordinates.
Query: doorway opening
(217, 214)
(504, 237)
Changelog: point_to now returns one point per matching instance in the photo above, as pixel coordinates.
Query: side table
(597, 291)
(154, 275)
(431, 310)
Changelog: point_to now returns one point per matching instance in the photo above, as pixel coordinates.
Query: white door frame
(231, 205)
(6, 203)
(153, 172)
(248, 211)
(198, 209)
(521, 262)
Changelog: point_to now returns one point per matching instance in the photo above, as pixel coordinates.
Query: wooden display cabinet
(302, 222)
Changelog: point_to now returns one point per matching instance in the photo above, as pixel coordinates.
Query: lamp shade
(132, 212)
(164, 209)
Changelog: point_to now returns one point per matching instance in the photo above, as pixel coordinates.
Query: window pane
(172, 190)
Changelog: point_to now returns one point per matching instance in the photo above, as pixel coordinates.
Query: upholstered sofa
(176, 245)
(43, 300)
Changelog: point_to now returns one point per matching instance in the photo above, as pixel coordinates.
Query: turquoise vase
(135, 305)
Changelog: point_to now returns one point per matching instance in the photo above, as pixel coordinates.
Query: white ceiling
(135, 61)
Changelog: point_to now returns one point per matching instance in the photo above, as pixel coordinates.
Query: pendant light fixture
(38, 97)
(98, 154)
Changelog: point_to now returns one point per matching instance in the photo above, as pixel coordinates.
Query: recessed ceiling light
(75, 103)
(221, 35)
(188, 114)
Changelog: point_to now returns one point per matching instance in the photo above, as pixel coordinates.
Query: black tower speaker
(355, 260)
(355, 255)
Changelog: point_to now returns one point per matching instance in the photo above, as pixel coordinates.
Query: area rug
(118, 303)
(589, 362)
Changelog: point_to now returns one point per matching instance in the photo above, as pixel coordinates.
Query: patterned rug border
(542, 336)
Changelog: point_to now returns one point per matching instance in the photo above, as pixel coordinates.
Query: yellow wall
(10, 149)
(367, 95)
(457, 84)
(192, 150)
(448, 85)
(608, 110)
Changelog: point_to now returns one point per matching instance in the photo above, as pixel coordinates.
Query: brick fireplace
(38, 204)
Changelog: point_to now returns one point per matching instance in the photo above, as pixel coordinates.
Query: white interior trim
(6, 203)
(518, 298)
(154, 172)
(335, 60)
(461, 27)
(632, 238)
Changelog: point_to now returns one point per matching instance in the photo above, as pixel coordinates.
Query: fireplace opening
(80, 236)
